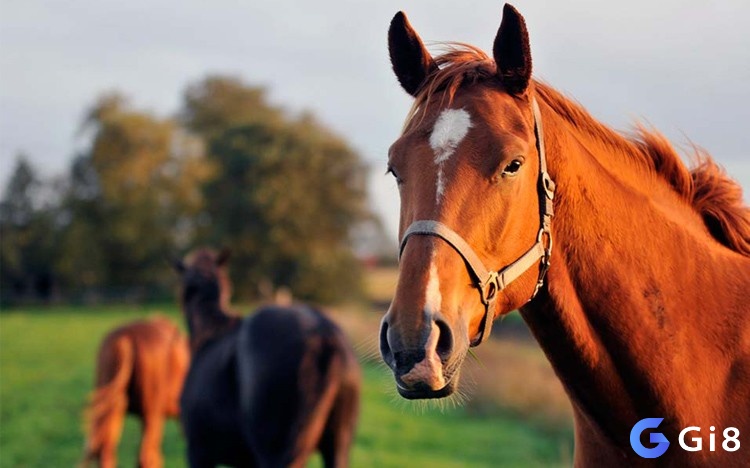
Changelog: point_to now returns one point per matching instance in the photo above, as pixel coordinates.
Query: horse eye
(393, 173)
(512, 168)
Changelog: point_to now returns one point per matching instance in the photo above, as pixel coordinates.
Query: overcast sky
(682, 65)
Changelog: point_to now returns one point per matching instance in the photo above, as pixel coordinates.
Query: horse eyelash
(389, 170)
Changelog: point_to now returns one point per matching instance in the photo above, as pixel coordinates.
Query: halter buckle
(548, 185)
(489, 288)
(545, 260)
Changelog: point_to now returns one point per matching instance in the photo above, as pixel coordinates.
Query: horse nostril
(445, 339)
(385, 348)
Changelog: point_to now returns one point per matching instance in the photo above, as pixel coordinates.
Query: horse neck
(207, 319)
(638, 296)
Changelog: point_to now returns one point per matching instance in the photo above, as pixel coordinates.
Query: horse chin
(425, 393)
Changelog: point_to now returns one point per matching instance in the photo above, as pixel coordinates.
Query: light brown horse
(644, 310)
(140, 370)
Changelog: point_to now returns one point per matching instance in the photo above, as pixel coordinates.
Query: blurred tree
(21, 194)
(132, 197)
(285, 196)
(28, 243)
(285, 193)
(217, 103)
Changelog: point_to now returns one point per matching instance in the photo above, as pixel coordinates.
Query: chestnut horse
(267, 390)
(140, 369)
(641, 303)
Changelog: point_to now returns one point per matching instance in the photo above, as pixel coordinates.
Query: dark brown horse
(641, 303)
(140, 370)
(267, 390)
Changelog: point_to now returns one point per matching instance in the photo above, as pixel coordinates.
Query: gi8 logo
(731, 442)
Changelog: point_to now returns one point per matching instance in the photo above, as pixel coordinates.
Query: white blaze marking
(432, 298)
(450, 128)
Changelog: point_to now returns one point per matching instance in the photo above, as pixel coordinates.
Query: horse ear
(512, 52)
(410, 59)
(223, 256)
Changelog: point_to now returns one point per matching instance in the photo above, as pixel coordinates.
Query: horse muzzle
(424, 367)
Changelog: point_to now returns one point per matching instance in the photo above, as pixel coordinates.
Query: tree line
(230, 169)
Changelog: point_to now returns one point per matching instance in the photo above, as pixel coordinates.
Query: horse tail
(341, 426)
(108, 403)
(320, 403)
(290, 401)
(718, 199)
(332, 407)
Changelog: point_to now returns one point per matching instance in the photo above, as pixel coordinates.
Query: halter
(490, 282)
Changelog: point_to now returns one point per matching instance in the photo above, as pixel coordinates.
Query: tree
(132, 198)
(285, 195)
(27, 228)
(217, 103)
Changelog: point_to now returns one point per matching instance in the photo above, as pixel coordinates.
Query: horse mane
(706, 188)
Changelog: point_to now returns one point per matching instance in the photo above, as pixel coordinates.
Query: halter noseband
(490, 282)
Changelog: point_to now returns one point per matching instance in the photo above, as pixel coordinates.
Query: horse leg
(153, 432)
(338, 435)
(110, 437)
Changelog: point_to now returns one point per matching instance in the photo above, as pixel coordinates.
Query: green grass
(46, 371)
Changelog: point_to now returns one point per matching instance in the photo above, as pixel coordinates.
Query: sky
(681, 65)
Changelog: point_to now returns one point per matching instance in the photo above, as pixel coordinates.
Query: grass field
(46, 371)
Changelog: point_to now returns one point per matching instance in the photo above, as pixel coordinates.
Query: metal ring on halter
(547, 249)
(545, 260)
(540, 237)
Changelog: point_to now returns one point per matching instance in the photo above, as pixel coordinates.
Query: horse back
(160, 358)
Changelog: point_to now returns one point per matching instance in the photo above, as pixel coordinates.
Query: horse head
(469, 170)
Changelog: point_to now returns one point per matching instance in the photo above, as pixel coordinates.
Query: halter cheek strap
(490, 282)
